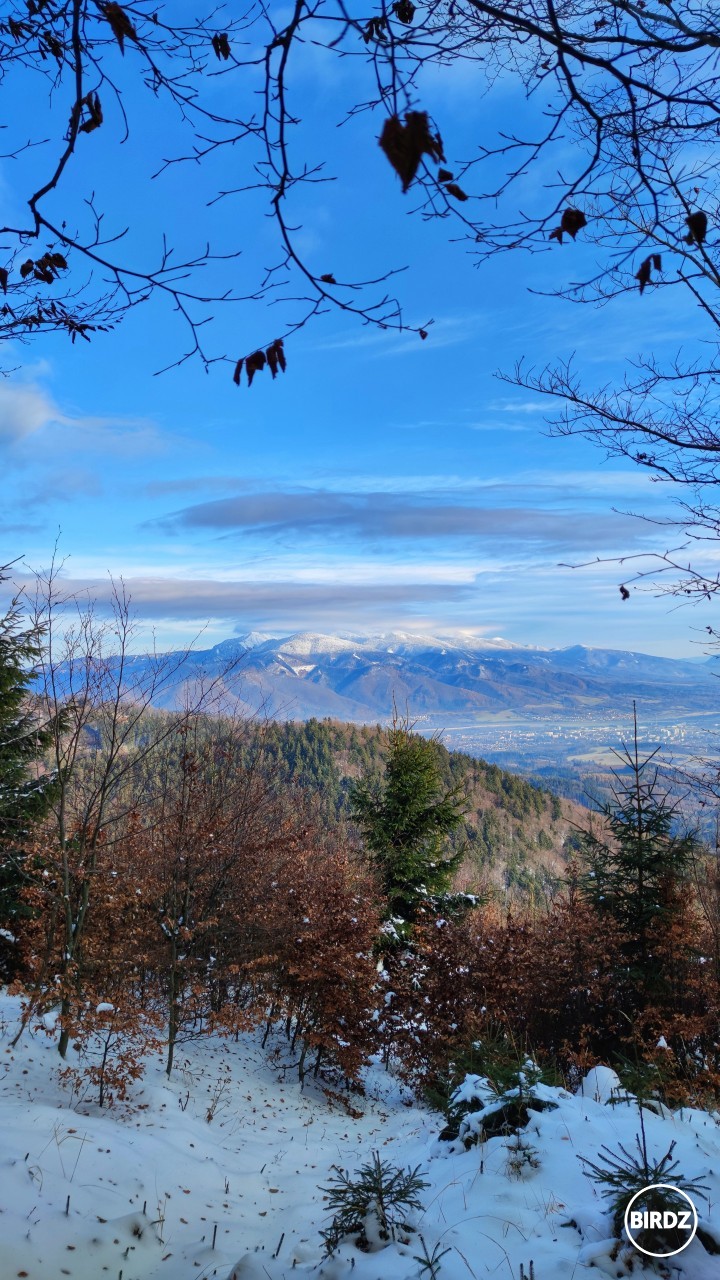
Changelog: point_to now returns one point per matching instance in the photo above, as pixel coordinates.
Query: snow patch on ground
(218, 1172)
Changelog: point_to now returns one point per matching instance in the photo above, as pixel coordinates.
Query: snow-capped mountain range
(443, 678)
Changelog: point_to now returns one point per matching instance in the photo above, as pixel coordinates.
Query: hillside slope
(517, 836)
(219, 1173)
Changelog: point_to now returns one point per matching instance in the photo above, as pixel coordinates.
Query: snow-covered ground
(217, 1172)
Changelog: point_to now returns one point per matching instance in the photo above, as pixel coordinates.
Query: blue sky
(383, 482)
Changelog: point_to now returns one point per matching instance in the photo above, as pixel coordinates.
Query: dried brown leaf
(95, 115)
(406, 144)
(697, 227)
(644, 273)
(122, 27)
(221, 45)
(404, 10)
(253, 364)
(275, 354)
(572, 221)
(374, 30)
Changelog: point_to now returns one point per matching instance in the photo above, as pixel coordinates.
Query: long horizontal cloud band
(382, 515)
(265, 603)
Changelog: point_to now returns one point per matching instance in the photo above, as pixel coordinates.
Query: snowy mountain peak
(237, 645)
(303, 643)
(450, 675)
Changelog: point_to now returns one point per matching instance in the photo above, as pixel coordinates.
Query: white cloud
(27, 408)
(24, 409)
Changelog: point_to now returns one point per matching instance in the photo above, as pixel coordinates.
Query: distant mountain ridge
(444, 679)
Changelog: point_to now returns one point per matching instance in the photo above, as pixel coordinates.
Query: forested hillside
(516, 835)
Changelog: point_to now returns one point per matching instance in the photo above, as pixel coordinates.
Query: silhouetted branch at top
(624, 117)
(64, 266)
(635, 88)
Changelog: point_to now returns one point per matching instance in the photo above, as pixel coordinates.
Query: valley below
(555, 715)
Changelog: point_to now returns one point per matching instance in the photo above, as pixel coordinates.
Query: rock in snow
(601, 1084)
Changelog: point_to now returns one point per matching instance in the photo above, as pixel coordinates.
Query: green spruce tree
(26, 788)
(637, 866)
(406, 818)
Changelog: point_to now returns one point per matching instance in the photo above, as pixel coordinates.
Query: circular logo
(661, 1220)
